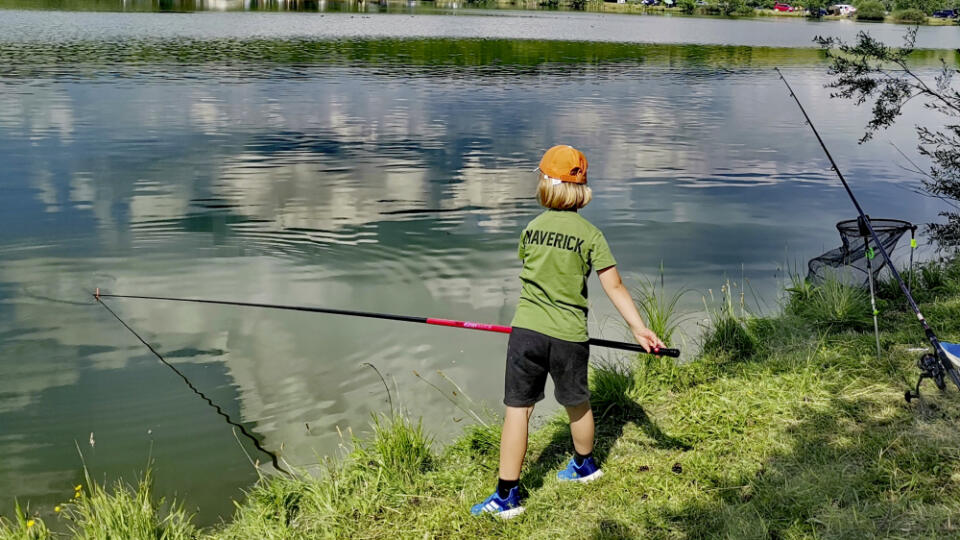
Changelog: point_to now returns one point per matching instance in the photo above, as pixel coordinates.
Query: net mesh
(850, 259)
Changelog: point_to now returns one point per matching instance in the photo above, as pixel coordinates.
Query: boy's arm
(620, 296)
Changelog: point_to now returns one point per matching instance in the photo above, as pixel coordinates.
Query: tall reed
(659, 307)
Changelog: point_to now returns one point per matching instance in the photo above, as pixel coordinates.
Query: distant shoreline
(640, 9)
(632, 7)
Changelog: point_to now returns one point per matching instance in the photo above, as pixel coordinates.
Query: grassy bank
(784, 427)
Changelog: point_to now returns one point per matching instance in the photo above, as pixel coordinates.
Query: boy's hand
(647, 339)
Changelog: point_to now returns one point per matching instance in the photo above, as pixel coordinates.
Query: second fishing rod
(932, 366)
(450, 323)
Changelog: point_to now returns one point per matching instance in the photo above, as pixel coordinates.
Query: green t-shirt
(559, 249)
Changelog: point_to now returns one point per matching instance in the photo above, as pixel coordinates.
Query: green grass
(801, 434)
(659, 308)
(729, 334)
(98, 513)
(832, 304)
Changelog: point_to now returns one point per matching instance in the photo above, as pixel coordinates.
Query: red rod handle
(593, 341)
(470, 325)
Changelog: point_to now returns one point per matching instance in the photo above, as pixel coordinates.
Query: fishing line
(27, 293)
(254, 439)
(932, 367)
(633, 347)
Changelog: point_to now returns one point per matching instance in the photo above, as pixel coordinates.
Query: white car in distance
(843, 9)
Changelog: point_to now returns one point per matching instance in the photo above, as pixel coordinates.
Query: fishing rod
(256, 442)
(633, 347)
(932, 366)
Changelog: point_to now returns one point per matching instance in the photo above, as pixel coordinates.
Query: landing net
(850, 259)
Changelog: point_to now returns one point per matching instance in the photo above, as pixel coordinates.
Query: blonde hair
(562, 195)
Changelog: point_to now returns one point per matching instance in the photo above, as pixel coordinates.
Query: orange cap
(565, 163)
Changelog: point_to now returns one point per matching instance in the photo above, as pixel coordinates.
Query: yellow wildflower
(31, 523)
(56, 509)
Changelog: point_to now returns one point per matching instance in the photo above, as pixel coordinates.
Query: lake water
(349, 162)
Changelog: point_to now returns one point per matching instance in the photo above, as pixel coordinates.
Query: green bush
(731, 7)
(711, 8)
(687, 6)
(912, 16)
(871, 10)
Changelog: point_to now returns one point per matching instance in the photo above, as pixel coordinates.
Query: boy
(559, 248)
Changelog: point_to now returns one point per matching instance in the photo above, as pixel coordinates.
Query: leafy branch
(869, 70)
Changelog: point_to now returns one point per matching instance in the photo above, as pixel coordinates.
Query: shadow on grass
(866, 465)
(609, 529)
(610, 422)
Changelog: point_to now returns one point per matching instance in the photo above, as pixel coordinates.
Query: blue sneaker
(584, 473)
(502, 508)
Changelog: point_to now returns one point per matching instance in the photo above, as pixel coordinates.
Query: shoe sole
(511, 513)
(584, 479)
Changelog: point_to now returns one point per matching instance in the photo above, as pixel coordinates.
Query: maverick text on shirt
(553, 239)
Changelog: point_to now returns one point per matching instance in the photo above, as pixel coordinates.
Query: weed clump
(23, 526)
(928, 282)
(399, 448)
(127, 512)
(729, 334)
(481, 440)
(611, 384)
(659, 309)
(832, 304)
(278, 501)
(99, 513)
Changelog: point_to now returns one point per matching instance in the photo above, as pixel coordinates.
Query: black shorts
(531, 356)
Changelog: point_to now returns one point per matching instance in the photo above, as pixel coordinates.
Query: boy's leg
(513, 441)
(505, 501)
(581, 427)
(568, 367)
(582, 468)
(526, 373)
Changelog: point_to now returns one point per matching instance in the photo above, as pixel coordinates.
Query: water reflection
(362, 187)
